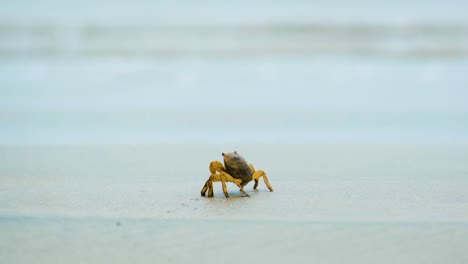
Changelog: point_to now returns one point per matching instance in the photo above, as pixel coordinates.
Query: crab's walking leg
(208, 187)
(229, 178)
(218, 174)
(215, 168)
(205, 188)
(223, 178)
(241, 188)
(223, 183)
(215, 178)
(236, 182)
(257, 175)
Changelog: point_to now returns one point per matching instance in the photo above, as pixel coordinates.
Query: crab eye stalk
(235, 151)
(222, 154)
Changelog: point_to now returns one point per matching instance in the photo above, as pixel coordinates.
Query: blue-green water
(244, 72)
(233, 100)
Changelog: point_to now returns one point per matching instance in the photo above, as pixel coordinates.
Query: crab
(235, 170)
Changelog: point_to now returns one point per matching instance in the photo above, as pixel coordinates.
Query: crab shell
(237, 167)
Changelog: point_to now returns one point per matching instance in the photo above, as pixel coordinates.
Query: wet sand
(331, 204)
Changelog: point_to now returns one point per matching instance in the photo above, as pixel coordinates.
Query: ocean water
(110, 112)
(244, 72)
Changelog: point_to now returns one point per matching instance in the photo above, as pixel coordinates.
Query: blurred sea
(241, 72)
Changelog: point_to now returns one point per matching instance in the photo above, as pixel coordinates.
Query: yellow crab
(236, 170)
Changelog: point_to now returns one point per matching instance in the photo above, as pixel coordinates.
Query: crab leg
(236, 182)
(228, 178)
(218, 174)
(257, 175)
(206, 187)
(215, 168)
(223, 178)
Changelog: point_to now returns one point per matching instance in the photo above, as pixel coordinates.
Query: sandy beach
(331, 204)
